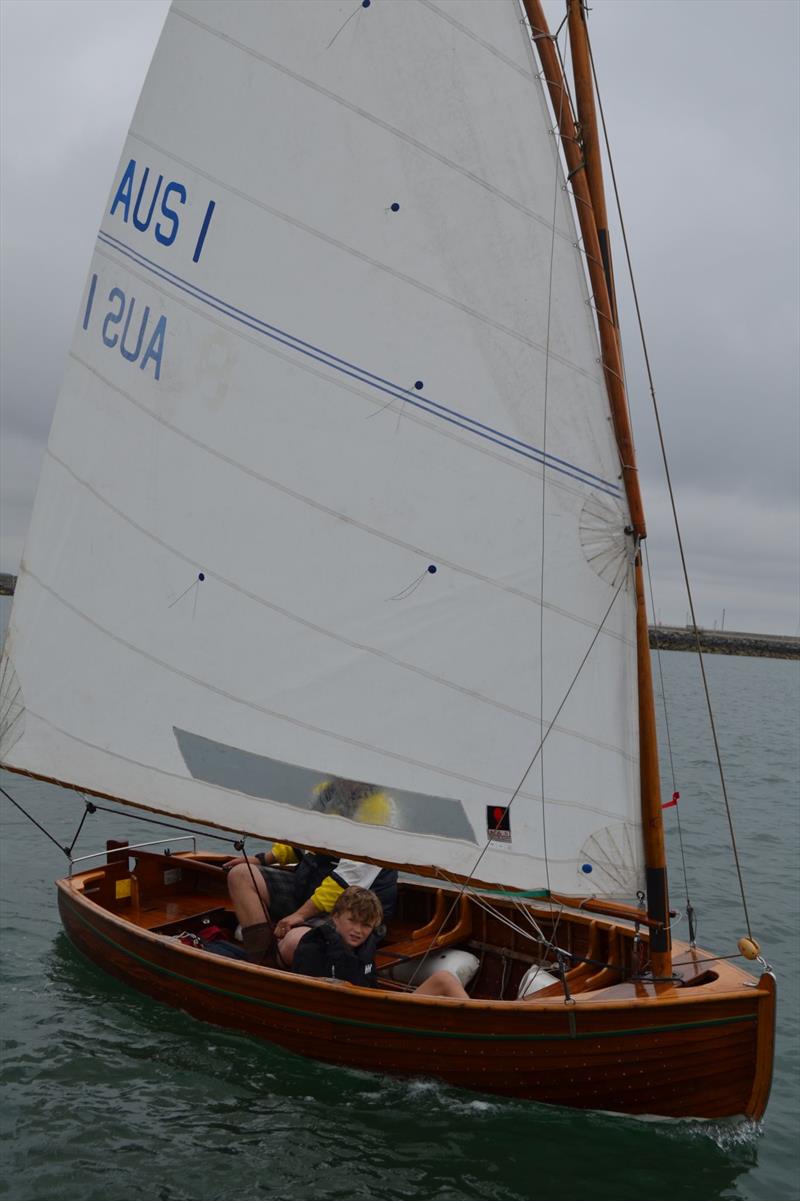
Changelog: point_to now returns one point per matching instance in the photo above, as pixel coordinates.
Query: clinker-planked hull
(697, 1052)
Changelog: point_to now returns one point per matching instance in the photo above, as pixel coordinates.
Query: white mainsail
(332, 490)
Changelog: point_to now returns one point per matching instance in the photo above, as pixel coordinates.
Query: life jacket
(312, 869)
(323, 952)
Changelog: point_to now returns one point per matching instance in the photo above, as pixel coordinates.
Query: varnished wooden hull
(700, 1052)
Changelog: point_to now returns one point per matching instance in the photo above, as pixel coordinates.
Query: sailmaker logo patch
(498, 823)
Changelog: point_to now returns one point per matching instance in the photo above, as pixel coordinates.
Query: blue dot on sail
(586, 867)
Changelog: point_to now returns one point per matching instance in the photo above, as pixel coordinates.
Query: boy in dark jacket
(343, 947)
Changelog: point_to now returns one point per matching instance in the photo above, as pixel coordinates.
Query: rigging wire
(30, 818)
(93, 807)
(553, 720)
(154, 821)
(545, 944)
(241, 847)
(238, 842)
(526, 914)
(662, 446)
(466, 882)
(555, 716)
(90, 808)
(483, 902)
(689, 907)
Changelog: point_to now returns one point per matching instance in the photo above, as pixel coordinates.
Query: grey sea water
(109, 1096)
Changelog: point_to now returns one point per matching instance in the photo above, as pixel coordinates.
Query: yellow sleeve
(284, 853)
(327, 894)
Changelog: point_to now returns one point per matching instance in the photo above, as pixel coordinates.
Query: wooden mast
(582, 154)
(587, 134)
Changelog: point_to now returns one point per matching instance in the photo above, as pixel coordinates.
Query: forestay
(290, 526)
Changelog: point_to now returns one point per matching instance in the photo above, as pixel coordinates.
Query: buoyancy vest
(323, 952)
(312, 869)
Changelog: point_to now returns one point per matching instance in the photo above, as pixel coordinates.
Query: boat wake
(728, 1134)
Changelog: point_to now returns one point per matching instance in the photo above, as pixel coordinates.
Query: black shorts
(282, 892)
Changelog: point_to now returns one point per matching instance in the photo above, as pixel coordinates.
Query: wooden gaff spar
(337, 402)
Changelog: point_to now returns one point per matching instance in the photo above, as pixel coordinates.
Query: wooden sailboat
(341, 485)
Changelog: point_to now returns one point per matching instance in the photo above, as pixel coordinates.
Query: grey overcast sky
(701, 99)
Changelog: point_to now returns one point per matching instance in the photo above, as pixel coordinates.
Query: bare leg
(443, 984)
(288, 944)
(249, 893)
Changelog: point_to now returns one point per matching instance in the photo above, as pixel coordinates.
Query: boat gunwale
(510, 1048)
(714, 992)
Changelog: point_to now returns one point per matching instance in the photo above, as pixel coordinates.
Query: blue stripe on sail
(387, 387)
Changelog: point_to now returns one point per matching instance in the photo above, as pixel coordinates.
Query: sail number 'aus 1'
(145, 201)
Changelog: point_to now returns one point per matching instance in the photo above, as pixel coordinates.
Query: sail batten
(290, 527)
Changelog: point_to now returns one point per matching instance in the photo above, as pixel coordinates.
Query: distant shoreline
(725, 642)
(665, 638)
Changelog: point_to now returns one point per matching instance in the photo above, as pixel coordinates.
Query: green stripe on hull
(421, 1033)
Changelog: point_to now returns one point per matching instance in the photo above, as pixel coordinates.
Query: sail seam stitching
(388, 387)
(483, 318)
(182, 779)
(442, 430)
(274, 713)
(509, 62)
(344, 518)
(426, 405)
(373, 119)
(324, 631)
